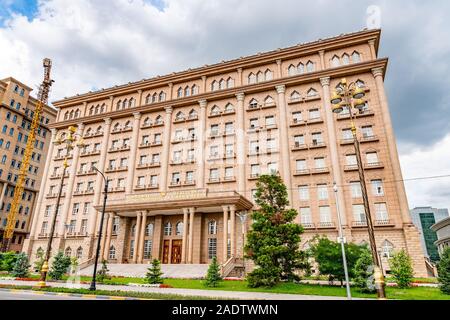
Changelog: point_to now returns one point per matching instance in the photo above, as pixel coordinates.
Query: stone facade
(187, 149)
(16, 114)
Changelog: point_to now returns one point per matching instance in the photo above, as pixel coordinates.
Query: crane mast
(44, 90)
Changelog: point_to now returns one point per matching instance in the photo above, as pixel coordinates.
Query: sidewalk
(220, 294)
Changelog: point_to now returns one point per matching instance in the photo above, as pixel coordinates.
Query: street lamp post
(351, 96)
(97, 253)
(342, 242)
(71, 140)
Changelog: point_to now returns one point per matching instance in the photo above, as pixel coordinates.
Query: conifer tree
(21, 266)
(213, 277)
(444, 271)
(154, 273)
(60, 266)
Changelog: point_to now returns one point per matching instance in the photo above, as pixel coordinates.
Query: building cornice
(288, 81)
(439, 225)
(227, 66)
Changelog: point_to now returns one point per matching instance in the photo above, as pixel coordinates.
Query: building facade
(423, 218)
(183, 153)
(16, 114)
(442, 229)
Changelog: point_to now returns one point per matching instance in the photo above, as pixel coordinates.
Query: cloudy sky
(96, 44)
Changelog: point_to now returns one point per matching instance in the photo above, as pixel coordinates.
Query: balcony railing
(307, 225)
(359, 223)
(302, 172)
(373, 165)
(326, 225)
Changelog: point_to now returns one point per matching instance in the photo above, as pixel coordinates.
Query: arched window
(214, 85)
(253, 103)
(230, 82)
(335, 62)
(23, 225)
(99, 129)
(68, 252)
(295, 95)
(359, 83)
(222, 84)
(149, 229)
(128, 124)
(180, 92)
(131, 103)
(345, 59)
(133, 230)
(77, 113)
(212, 227)
(179, 228)
(260, 76)
(97, 109)
(124, 104)
(148, 99)
(386, 249)
(215, 110)
(194, 89)
(112, 252)
(71, 114)
(1, 142)
(292, 70)
(312, 92)
(300, 68)
(162, 96)
(229, 107)
(103, 108)
(147, 121)
(168, 229)
(5, 128)
(79, 252)
(154, 98)
(158, 119)
(192, 114)
(251, 78)
(268, 75)
(91, 110)
(118, 105)
(356, 57)
(179, 116)
(268, 100)
(116, 127)
(187, 91)
(310, 66)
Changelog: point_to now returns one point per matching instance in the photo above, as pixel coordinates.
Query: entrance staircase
(182, 271)
(233, 268)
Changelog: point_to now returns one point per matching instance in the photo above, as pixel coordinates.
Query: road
(26, 295)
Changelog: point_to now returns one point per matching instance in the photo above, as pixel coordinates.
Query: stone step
(185, 271)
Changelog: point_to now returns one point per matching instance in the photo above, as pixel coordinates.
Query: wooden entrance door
(176, 251)
(166, 252)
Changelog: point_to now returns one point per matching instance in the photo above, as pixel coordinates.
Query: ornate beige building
(183, 153)
(16, 114)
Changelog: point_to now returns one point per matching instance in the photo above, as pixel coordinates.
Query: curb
(64, 294)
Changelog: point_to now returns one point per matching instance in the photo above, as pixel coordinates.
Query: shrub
(363, 273)
(401, 269)
(213, 277)
(60, 266)
(7, 260)
(21, 266)
(154, 273)
(444, 271)
(102, 274)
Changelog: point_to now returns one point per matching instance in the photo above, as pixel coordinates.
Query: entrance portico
(181, 227)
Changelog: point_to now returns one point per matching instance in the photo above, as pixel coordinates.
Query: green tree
(363, 272)
(7, 260)
(102, 274)
(401, 268)
(39, 260)
(274, 238)
(328, 255)
(154, 273)
(60, 266)
(213, 277)
(21, 266)
(444, 271)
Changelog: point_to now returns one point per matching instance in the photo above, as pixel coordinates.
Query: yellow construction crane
(44, 90)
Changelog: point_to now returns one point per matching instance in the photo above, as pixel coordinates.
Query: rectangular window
(305, 216)
(319, 163)
(367, 131)
(322, 192)
(299, 140)
(316, 138)
(303, 192)
(147, 249)
(141, 181)
(76, 208)
(87, 206)
(325, 214)
(83, 227)
(314, 114)
(131, 249)
(347, 134)
(214, 174)
(270, 121)
(154, 180)
(255, 169)
(372, 157)
(190, 176)
(381, 212)
(359, 213)
(272, 167)
(300, 165)
(377, 187)
(229, 172)
(350, 160)
(297, 117)
(355, 188)
(212, 248)
(254, 123)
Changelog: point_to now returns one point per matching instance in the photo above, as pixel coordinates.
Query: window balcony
(175, 183)
(92, 134)
(190, 160)
(367, 138)
(271, 126)
(153, 186)
(229, 179)
(326, 225)
(192, 117)
(315, 120)
(254, 176)
(156, 143)
(119, 189)
(383, 223)
(254, 128)
(346, 141)
(146, 125)
(158, 123)
(145, 144)
(350, 167)
(214, 134)
(299, 146)
(359, 223)
(89, 153)
(229, 132)
(89, 191)
(190, 182)
(214, 156)
(229, 155)
(302, 172)
(117, 169)
(373, 165)
(365, 113)
(308, 225)
(177, 139)
(139, 187)
(317, 145)
(179, 119)
(213, 180)
(320, 170)
(214, 114)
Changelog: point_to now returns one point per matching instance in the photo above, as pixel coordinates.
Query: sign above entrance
(167, 196)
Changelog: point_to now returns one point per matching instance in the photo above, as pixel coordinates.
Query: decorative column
(111, 103)
(233, 230)
(322, 59)
(225, 234)
(70, 184)
(191, 234)
(279, 70)
(108, 236)
(392, 146)
(333, 145)
(239, 77)
(203, 84)
(201, 146)
(137, 236)
(140, 256)
(170, 95)
(139, 102)
(166, 149)
(185, 231)
(240, 144)
(98, 189)
(284, 141)
(133, 152)
(373, 52)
